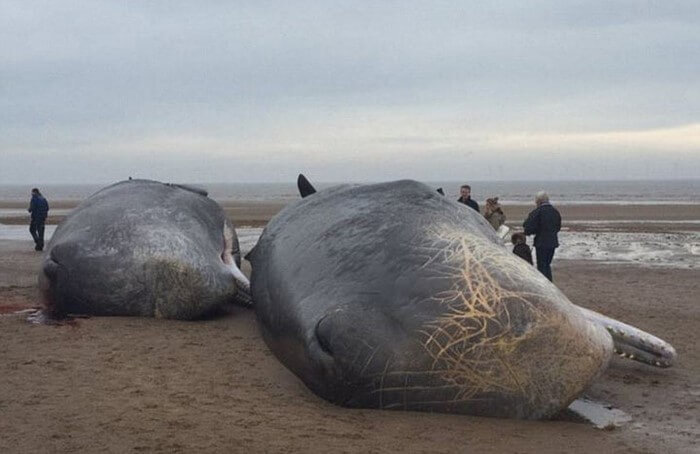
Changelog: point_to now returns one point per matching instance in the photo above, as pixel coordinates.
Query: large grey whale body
(145, 248)
(392, 296)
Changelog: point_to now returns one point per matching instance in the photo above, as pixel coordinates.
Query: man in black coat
(39, 209)
(544, 222)
(465, 197)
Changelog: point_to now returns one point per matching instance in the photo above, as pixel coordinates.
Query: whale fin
(305, 187)
(440, 191)
(633, 343)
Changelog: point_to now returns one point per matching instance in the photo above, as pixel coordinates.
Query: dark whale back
(140, 247)
(392, 296)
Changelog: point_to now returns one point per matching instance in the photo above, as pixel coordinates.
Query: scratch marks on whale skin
(495, 338)
(474, 341)
(176, 289)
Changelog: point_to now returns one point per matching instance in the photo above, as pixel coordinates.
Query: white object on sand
(503, 231)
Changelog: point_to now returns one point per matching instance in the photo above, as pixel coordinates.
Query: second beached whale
(142, 247)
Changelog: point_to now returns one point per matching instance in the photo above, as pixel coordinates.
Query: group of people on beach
(544, 222)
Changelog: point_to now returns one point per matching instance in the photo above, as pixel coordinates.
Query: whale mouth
(228, 257)
(48, 283)
(633, 343)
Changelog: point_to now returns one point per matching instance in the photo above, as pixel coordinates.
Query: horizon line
(293, 181)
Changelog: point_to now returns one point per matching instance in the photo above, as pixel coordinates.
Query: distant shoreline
(573, 192)
(580, 216)
(72, 203)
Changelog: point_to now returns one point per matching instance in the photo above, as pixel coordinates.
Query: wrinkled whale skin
(392, 296)
(143, 248)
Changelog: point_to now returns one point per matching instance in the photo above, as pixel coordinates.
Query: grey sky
(222, 91)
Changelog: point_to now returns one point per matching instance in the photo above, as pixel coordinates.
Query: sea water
(509, 192)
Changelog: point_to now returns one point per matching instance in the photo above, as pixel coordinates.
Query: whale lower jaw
(243, 296)
(634, 343)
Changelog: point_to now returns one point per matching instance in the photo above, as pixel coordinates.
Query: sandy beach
(145, 385)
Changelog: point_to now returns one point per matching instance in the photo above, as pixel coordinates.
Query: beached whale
(392, 296)
(146, 248)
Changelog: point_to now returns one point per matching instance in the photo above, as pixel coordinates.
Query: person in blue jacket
(39, 209)
(545, 223)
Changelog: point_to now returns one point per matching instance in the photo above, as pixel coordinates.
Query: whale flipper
(305, 187)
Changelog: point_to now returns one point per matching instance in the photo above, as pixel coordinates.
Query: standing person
(39, 209)
(494, 213)
(544, 222)
(465, 193)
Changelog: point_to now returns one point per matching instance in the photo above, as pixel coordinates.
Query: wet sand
(143, 385)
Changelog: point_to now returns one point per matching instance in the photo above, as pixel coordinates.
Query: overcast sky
(226, 91)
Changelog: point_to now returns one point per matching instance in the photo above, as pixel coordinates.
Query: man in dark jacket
(465, 192)
(544, 222)
(39, 209)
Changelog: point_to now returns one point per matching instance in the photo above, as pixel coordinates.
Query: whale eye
(323, 334)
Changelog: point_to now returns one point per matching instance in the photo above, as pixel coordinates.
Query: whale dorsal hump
(305, 188)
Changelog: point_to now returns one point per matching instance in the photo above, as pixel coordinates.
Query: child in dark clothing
(521, 248)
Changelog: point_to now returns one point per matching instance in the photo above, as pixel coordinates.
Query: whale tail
(633, 343)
